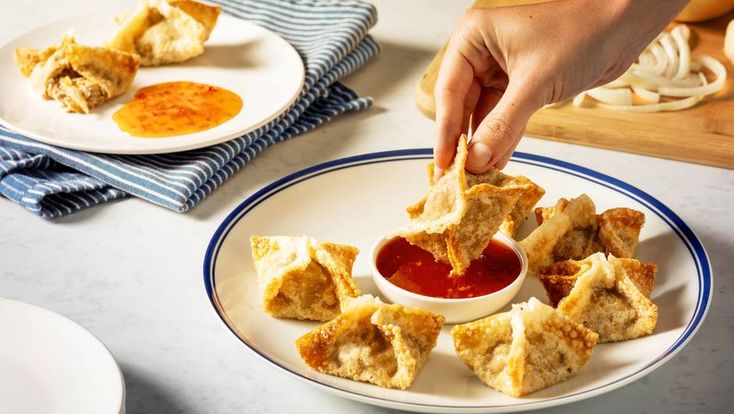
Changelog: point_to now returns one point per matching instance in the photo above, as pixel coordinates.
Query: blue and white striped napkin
(331, 37)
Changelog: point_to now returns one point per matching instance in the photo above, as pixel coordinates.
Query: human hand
(503, 64)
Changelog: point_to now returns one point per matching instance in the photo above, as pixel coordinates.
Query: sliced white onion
(685, 31)
(657, 107)
(646, 58)
(684, 52)
(646, 94)
(578, 100)
(661, 59)
(664, 68)
(611, 96)
(666, 41)
(709, 63)
(641, 76)
(617, 83)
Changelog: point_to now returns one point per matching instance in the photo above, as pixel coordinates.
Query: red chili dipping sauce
(414, 269)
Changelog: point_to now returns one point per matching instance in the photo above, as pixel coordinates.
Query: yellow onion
(700, 10)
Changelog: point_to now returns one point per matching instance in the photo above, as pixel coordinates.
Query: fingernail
(479, 156)
(437, 174)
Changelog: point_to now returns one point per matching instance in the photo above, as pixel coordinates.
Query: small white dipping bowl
(455, 310)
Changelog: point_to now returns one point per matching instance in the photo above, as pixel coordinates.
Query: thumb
(502, 128)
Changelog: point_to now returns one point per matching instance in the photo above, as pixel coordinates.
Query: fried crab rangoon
(301, 278)
(462, 211)
(558, 279)
(166, 31)
(573, 230)
(532, 346)
(370, 341)
(79, 77)
(606, 300)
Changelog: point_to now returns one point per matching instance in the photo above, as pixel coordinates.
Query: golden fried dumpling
(462, 211)
(531, 347)
(558, 279)
(370, 341)
(530, 193)
(166, 31)
(301, 278)
(607, 301)
(572, 231)
(541, 243)
(79, 77)
(28, 58)
(619, 231)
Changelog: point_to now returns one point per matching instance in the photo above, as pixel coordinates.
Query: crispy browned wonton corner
(79, 77)
(301, 278)
(532, 346)
(607, 301)
(462, 211)
(572, 231)
(166, 31)
(558, 279)
(370, 341)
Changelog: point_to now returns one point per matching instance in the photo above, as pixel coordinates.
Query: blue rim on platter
(681, 229)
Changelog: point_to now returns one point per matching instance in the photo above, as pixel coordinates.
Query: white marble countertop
(131, 272)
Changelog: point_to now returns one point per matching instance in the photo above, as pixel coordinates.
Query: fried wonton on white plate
(79, 77)
(462, 211)
(371, 341)
(558, 279)
(572, 231)
(301, 278)
(166, 31)
(606, 300)
(531, 347)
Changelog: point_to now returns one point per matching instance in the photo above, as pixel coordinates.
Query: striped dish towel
(331, 37)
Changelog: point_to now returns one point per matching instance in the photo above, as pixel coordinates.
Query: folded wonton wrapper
(607, 301)
(532, 346)
(462, 211)
(530, 193)
(558, 279)
(370, 341)
(301, 278)
(166, 31)
(573, 230)
(79, 77)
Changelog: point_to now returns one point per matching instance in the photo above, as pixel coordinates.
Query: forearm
(637, 19)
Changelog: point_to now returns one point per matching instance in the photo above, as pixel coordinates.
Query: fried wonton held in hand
(301, 278)
(530, 193)
(370, 341)
(532, 346)
(166, 31)
(558, 279)
(607, 301)
(572, 231)
(462, 212)
(79, 77)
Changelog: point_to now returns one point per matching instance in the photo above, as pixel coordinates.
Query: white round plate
(51, 365)
(258, 65)
(356, 200)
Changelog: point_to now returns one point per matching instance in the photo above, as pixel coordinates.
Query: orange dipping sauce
(420, 273)
(176, 108)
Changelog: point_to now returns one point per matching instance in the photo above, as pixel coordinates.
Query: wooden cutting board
(702, 134)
